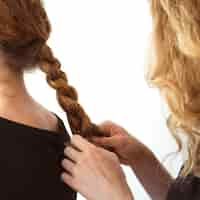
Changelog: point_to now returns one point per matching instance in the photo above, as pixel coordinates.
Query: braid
(24, 30)
(66, 95)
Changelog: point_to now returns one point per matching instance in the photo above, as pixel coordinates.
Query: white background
(101, 45)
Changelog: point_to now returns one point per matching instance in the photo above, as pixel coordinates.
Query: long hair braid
(66, 95)
(24, 31)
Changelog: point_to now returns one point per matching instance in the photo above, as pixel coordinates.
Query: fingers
(69, 166)
(79, 142)
(69, 180)
(106, 126)
(111, 128)
(72, 153)
(77, 146)
(106, 142)
(76, 153)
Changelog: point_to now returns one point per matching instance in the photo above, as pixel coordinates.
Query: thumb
(104, 141)
(107, 126)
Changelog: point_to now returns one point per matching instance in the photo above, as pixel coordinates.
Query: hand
(147, 168)
(127, 147)
(94, 172)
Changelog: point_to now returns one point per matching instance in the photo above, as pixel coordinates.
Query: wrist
(140, 155)
(136, 151)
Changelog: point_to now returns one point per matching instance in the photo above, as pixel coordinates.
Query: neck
(12, 87)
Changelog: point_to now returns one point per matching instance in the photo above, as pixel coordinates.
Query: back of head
(24, 31)
(175, 69)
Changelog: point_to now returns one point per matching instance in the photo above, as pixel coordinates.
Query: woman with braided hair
(33, 138)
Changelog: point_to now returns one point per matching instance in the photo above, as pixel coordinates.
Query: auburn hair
(174, 68)
(24, 31)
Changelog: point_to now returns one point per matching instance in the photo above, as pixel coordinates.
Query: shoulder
(48, 117)
(186, 188)
(53, 121)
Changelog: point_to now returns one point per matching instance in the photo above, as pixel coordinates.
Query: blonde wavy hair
(174, 68)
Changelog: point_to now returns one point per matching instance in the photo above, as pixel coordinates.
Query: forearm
(152, 174)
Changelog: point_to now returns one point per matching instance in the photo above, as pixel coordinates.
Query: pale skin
(94, 172)
(151, 173)
(18, 105)
(130, 151)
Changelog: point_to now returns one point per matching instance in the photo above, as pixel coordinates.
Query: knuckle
(92, 147)
(97, 150)
(114, 156)
(68, 150)
(107, 123)
(74, 138)
(82, 160)
(75, 170)
(91, 150)
(64, 164)
(88, 153)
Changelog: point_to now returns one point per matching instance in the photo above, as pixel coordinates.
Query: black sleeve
(185, 188)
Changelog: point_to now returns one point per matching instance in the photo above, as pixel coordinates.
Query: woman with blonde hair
(174, 68)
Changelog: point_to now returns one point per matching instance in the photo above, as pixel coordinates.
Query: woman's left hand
(94, 172)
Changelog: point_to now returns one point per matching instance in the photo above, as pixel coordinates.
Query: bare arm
(150, 172)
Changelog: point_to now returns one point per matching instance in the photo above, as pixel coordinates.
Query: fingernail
(62, 162)
(62, 176)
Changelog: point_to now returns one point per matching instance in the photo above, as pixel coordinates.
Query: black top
(185, 188)
(30, 162)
